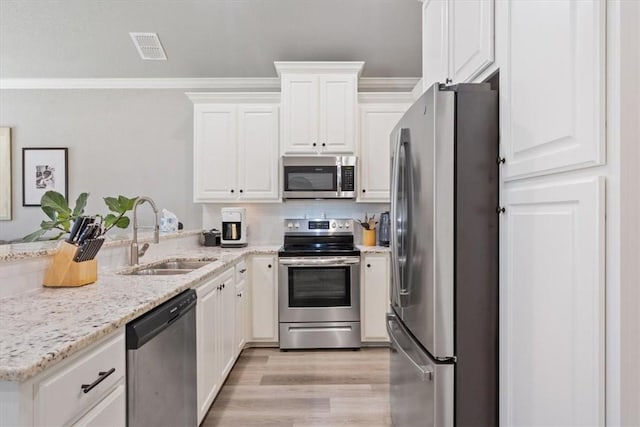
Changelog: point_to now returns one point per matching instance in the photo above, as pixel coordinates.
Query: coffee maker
(234, 227)
(383, 229)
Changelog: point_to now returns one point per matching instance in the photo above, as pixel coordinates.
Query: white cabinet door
(376, 123)
(226, 323)
(434, 42)
(552, 345)
(552, 90)
(337, 113)
(207, 315)
(215, 153)
(300, 108)
(258, 152)
(471, 38)
(241, 314)
(264, 298)
(375, 297)
(110, 412)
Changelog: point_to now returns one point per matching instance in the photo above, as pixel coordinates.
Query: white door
(214, 153)
(338, 98)
(226, 324)
(207, 345)
(435, 46)
(375, 297)
(300, 104)
(258, 147)
(552, 344)
(471, 38)
(376, 124)
(264, 298)
(552, 89)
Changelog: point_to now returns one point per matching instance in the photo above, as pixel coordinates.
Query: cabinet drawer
(61, 396)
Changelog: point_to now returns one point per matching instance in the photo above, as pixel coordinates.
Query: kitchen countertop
(45, 326)
(374, 249)
(17, 251)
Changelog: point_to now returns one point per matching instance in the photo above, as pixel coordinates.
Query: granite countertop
(43, 327)
(374, 249)
(17, 251)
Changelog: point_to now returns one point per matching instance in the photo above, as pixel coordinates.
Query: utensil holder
(65, 272)
(369, 237)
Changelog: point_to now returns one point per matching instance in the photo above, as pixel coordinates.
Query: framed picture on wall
(43, 169)
(5, 174)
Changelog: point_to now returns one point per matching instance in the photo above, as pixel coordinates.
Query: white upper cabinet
(457, 40)
(379, 114)
(235, 153)
(552, 93)
(319, 102)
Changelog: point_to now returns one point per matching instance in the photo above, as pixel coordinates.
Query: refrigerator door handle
(424, 373)
(395, 273)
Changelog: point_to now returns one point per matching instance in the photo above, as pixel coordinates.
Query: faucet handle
(143, 249)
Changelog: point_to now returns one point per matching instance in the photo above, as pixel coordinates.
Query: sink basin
(169, 268)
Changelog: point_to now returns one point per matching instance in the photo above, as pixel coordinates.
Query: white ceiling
(206, 38)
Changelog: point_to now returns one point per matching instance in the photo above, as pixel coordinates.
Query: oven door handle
(314, 262)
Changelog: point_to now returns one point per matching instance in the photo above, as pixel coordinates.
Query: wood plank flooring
(305, 388)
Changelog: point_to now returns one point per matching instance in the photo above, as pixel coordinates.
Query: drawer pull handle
(101, 377)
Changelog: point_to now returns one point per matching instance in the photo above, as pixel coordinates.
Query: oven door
(319, 289)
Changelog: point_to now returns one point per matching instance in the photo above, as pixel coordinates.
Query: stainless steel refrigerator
(443, 321)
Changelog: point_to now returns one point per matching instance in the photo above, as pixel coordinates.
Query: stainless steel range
(319, 285)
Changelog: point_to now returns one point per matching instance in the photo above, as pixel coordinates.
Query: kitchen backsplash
(265, 220)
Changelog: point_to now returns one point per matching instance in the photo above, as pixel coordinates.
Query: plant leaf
(34, 236)
(81, 203)
(125, 203)
(66, 225)
(109, 220)
(123, 222)
(113, 205)
(48, 225)
(56, 201)
(50, 212)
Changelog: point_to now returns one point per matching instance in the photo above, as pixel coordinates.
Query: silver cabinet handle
(424, 372)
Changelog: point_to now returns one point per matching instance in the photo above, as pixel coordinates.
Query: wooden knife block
(65, 272)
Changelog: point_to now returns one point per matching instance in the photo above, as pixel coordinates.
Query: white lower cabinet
(241, 307)
(215, 334)
(264, 298)
(110, 412)
(374, 292)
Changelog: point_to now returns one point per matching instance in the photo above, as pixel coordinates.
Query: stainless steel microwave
(319, 177)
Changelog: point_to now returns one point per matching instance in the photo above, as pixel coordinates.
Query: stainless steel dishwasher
(161, 365)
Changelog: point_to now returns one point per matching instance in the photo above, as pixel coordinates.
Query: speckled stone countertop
(16, 251)
(374, 249)
(45, 326)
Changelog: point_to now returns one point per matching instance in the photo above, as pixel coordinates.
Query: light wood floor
(305, 388)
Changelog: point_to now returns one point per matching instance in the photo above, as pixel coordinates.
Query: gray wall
(130, 142)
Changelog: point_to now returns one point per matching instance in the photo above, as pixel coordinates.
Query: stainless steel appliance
(319, 285)
(234, 227)
(444, 243)
(319, 177)
(384, 229)
(161, 365)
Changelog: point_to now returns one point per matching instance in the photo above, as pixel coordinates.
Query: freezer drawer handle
(424, 373)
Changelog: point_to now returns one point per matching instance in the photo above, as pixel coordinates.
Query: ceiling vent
(149, 47)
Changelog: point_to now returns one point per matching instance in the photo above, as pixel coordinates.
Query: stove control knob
(297, 225)
(340, 225)
(333, 225)
(346, 225)
(290, 225)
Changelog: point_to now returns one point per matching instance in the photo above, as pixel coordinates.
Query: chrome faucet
(135, 253)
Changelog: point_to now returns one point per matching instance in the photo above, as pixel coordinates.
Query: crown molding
(318, 67)
(272, 84)
(233, 97)
(385, 97)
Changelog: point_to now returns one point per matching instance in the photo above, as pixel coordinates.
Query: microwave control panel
(348, 178)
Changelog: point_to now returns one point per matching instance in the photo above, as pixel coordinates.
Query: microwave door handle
(338, 179)
(395, 274)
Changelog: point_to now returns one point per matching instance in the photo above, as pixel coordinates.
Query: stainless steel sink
(169, 268)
